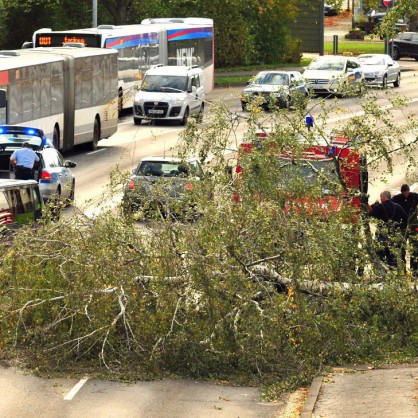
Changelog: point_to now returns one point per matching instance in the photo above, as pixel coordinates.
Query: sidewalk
(364, 392)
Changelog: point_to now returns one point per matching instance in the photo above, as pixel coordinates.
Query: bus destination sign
(62, 39)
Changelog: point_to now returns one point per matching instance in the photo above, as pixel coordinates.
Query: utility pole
(94, 13)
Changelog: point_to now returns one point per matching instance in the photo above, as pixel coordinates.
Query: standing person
(409, 201)
(390, 229)
(24, 160)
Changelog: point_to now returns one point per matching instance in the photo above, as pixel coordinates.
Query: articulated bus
(182, 41)
(70, 93)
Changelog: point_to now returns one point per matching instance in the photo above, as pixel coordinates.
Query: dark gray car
(163, 183)
(405, 45)
(270, 89)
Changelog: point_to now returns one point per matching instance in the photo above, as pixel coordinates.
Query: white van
(333, 74)
(170, 92)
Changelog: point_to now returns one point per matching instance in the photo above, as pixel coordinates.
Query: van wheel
(185, 117)
(395, 54)
(200, 114)
(397, 83)
(96, 136)
(137, 121)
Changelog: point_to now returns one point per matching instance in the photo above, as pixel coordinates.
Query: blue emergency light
(309, 120)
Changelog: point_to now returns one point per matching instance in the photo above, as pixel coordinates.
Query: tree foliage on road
(246, 31)
(208, 298)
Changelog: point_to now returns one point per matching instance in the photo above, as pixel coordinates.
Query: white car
(333, 74)
(380, 69)
(170, 92)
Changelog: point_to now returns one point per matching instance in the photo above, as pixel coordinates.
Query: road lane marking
(70, 395)
(95, 152)
(361, 113)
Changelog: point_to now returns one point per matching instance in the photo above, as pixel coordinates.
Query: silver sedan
(380, 70)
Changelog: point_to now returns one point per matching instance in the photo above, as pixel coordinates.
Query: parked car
(333, 75)
(380, 69)
(276, 88)
(375, 18)
(330, 10)
(53, 173)
(405, 45)
(170, 92)
(164, 183)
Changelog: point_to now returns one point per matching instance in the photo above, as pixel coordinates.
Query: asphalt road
(26, 396)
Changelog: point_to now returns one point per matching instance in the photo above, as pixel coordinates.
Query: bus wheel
(56, 138)
(120, 101)
(96, 135)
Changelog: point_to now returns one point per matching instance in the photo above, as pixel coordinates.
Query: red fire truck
(336, 165)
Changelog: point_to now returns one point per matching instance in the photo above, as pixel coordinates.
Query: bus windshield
(165, 83)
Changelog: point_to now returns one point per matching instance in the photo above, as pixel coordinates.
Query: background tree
(246, 32)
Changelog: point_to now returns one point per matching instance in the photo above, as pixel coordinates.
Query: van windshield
(165, 83)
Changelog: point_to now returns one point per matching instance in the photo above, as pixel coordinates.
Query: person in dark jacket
(409, 201)
(390, 228)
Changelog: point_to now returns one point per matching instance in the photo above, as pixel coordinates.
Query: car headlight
(283, 91)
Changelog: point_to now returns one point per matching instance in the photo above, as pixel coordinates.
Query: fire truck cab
(336, 159)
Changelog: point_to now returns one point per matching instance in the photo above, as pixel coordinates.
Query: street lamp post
(94, 13)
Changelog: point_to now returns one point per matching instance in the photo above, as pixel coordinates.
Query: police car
(53, 173)
(334, 75)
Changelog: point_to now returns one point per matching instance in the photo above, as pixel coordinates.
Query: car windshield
(165, 83)
(327, 65)
(311, 172)
(272, 78)
(17, 140)
(371, 60)
(164, 169)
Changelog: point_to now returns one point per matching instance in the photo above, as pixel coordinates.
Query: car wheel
(55, 204)
(397, 83)
(185, 117)
(395, 54)
(137, 121)
(70, 198)
(385, 82)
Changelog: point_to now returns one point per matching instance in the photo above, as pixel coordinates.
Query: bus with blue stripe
(180, 41)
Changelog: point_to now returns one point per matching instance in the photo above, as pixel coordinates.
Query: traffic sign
(387, 2)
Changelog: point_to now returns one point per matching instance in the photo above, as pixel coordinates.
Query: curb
(312, 397)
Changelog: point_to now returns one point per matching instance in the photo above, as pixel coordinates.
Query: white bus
(70, 93)
(183, 41)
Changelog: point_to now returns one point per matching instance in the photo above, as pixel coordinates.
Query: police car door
(354, 72)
